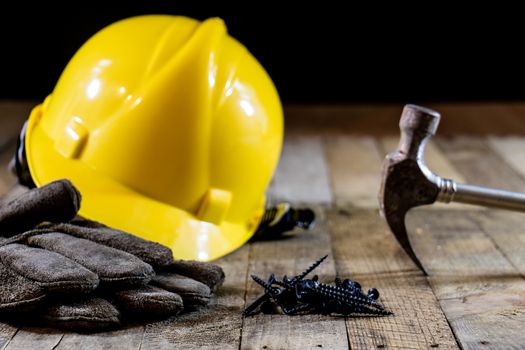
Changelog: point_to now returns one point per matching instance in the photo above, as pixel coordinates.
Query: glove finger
(94, 314)
(150, 252)
(52, 271)
(148, 300)
(192, 292)
(56, 202)
(210, 274)
(115, 268)
(18, 293)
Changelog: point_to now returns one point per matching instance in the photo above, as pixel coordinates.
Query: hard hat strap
(19, 166)
(283, 218)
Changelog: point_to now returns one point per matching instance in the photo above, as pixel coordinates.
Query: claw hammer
(407, 182)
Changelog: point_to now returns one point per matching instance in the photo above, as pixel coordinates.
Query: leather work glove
(59, 270)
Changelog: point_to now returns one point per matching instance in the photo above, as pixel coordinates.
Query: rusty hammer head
(407, 182)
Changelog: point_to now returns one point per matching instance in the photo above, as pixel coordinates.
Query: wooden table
(474, 296)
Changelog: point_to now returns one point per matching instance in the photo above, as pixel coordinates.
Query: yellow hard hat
(170, 129)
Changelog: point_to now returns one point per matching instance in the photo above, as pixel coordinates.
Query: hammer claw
(407, 182)
(400, 232)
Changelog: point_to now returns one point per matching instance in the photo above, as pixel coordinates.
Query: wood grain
(7, 180)
(355, 170)
(365, 250)
(475, 257)
(495, 118)
(291, 257)
(217, 326)
(492, 163)
(512, 150)
(7, 332)
(12, 116)
(480, 291)
(35, 338)
(479, 164)
(302, 175)
(127, 338)
(501, 156)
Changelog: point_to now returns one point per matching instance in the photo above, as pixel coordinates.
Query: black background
(315, 53)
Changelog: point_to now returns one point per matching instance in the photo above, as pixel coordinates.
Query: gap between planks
(475, 258)
(356, 169)
(365, 249)
(353, 171)
(291, 257)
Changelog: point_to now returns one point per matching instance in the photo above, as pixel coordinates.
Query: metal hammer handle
(450, 191)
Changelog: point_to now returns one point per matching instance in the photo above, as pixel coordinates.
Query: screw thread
(344, 295)
(307, 271)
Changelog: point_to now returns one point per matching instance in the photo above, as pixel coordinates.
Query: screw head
(373, 294)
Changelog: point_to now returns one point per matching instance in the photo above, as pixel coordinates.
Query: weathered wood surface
(473, 257)
(302, 166)
(365, 249)
(474, 296)
(479, 290)
(217, 327)
(291, 257)
(355, 164)
(302, 174)
(505, 118)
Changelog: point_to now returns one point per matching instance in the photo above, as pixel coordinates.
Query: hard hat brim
(118, 206)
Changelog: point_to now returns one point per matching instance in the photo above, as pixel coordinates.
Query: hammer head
(406, 180)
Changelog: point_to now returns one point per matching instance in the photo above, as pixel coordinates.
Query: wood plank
(496, 118)
(505, 227)
(35, 338)
(7, 332)
(308, 184)
(7, 180)
(14, 192)
(475, 256)
(480, 291)
(302, 175)
(217, 326)
(291, 257)
(495, 163)
(342, 119)
(366, 251)
(12, 117)
(355, 170)
(512, 150)
(479, 164)
(127, 338)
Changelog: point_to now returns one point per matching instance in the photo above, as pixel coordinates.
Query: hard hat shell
(170, 129)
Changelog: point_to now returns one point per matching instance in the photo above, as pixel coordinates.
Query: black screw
(373, 294)
(299, 295)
